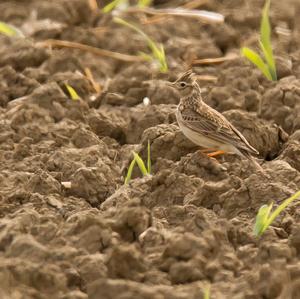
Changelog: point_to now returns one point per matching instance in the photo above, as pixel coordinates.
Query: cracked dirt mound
(188, 225)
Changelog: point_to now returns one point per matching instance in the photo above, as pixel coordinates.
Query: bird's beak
(171, 84)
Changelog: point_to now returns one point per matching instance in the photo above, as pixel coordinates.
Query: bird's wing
(216, 127)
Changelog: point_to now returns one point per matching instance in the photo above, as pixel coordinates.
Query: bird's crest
(187, 76)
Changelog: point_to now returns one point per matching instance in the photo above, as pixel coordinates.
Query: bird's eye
(182, 84)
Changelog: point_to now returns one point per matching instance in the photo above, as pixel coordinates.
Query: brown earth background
(187, 226)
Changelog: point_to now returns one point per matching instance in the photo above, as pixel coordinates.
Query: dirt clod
(69, 226)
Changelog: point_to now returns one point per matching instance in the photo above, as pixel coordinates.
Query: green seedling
(124, 3)
(157, 50)
(10, 30)
(264, 217)
(148, 158)
(139, 161)
(144, 3)
(114, 4)
(265, 62)
(206, 294)
(72, 92)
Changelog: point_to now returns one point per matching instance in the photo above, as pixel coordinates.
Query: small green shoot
(144, 3)
(148, 158)
(113, 5)
(140, 164)
(264, 219)
(10, 30)
(157, 50)
(266, 62)
(129, 172)
(207, 293)
(139, 161)
(73, 93)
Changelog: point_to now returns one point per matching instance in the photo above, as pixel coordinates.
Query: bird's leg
(216, 153)
(208, 150)
(212, 152)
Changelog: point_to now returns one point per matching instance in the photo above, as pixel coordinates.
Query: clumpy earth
(71, 229)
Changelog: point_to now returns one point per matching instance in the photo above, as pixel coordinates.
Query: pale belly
(203, 140)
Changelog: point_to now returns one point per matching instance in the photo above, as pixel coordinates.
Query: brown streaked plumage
(205, 126)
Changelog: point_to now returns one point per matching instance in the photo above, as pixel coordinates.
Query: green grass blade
(145, 56)
(164, 65)
(207, 293)
(280, 209)
(270, 61)
(151, 44)
(153, 47)
(140, 163)
(158, 52)
(73, 93)
(129, 172)
(10, 30)
(159, 55)
(148, 158)
(265, 39)
(144, 3)
(261, 219)
(112, 5)
(129, 25)
(265, 28)
(256, 60)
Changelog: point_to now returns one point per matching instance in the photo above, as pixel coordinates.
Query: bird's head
(186, 84)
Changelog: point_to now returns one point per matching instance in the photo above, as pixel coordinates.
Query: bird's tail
(254, 162)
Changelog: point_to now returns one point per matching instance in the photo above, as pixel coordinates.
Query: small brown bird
(205, 126)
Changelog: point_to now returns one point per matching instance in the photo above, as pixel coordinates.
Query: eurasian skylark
(205, 126)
